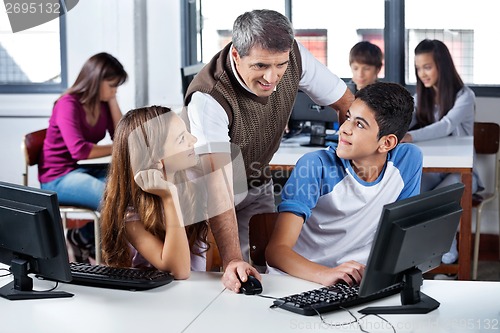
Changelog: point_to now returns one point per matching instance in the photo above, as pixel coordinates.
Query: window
(318, 25)
(462, 27)
(459, 42)
(316, 41)
(345, 23)
(395, 26)
(217, 24)
(32, 60)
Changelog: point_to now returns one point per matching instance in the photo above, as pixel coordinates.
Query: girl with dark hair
(444, 106)
(81, 117)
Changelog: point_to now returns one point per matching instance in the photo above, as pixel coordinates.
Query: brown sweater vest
(256, 124)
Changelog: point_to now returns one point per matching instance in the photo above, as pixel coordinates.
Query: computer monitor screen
(187, 75)
(305, 110)
(31, 241)
(411, 237)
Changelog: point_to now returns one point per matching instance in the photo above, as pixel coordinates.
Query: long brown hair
(99, 67)
(122, 192)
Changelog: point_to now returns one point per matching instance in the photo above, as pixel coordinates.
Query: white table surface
(448, 152)
(168, 308)
(98, 160)
(466, 306)
(200, 304)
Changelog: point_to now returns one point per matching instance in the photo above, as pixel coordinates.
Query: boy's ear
(387, 142)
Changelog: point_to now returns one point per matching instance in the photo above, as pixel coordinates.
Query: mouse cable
(266, 296)
(329, 323)
(382, 318)
(356, 320)
(6, 274)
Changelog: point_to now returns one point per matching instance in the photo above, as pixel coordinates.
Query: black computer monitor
(411, 237)
(309, 117)
(305, 110)
(31, 241)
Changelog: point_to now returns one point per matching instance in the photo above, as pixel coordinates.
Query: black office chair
(188, 73)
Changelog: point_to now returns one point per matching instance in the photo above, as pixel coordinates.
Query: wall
(95, 26)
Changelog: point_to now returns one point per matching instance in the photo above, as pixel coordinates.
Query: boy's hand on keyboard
(349, 272)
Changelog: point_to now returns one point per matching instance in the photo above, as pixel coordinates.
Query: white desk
(449, 154)
(94, 310)
(98, 160)
(464, 305)
(197, 305)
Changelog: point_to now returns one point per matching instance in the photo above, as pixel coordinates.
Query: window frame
(394, 44)
(45, 88)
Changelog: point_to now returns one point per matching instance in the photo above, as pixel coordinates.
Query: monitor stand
(413, 301)
(22, 286)
(318, 136)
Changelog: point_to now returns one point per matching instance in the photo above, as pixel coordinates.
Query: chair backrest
(487, 142)
(486, 138)
(32, 147)
(261, 227)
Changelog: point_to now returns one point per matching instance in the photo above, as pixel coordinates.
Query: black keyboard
(329, 299)
(118, 278)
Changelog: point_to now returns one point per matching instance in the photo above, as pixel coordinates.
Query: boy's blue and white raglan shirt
(341, 211)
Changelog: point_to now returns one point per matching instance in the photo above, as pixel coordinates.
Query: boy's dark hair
(392, 104)
(366, 53)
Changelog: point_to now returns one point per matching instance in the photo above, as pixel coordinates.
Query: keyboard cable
(356, 320)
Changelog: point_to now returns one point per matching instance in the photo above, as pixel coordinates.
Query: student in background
(80, 119)
(333, 199)
(365, 60)
(444, 106)
(143, 220)
(244, 97)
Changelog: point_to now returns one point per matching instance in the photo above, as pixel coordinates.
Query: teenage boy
(333, 199)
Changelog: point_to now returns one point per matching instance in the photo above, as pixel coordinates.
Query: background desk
(200, 304)
(96, 161)
(449, 154)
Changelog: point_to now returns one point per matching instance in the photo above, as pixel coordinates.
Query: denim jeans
(82, 187)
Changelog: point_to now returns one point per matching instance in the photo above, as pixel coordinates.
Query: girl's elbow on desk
(182, 275)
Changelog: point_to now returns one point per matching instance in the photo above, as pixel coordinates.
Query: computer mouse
(251, 286)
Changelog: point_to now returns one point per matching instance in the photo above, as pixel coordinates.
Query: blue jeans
(81, 187)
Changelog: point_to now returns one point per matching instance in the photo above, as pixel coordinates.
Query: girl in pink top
(80, 119)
